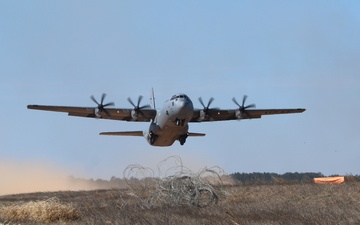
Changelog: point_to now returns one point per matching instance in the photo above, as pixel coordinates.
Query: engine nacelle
(134, 114)
(238, 114)
(203, 115)
(97, 113)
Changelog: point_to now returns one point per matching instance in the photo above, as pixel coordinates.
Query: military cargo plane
(171, 122)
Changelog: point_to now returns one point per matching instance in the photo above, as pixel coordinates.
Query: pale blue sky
(282, 54)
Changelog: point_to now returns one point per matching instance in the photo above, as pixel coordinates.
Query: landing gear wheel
(182, 142)
(152, 137)
(182, 139)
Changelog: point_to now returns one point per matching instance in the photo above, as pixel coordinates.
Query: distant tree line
(234, 178)
(269, 178)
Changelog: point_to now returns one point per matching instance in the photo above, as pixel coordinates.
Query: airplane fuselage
(171, 122)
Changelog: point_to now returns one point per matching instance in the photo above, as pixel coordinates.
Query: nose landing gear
(180, 122)
(152, 138)
(182, 139)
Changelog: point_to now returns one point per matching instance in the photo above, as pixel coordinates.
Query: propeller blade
(206, 109)
(234, 100)
(250, 106)
(131, 102)
(242, 107)
(244, 100)
(109, 104)
(201, 102)
(137, 108)
(210, 101)
(102, 98)
(144, 107)
(139, 100)
(94, 100)
(101, 106)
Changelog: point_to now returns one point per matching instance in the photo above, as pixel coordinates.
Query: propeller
(137, 109)
(242, 107)
(206, 110)
(101, 106)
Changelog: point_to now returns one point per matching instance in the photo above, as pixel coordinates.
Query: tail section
(195, 134)
(124, 133)
(152, 99)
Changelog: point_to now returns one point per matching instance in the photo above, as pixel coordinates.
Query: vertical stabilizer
(152, 99)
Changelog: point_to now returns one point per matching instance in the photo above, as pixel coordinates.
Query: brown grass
(50, 210)
(242, 204)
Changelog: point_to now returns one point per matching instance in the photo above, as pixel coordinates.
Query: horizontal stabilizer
(196, 134)
(124, 133)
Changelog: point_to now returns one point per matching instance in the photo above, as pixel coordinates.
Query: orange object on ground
(331, 180)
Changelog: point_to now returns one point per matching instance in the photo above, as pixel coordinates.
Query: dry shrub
(176, 184)
(47, 211)
(270, 204)
(351, 178)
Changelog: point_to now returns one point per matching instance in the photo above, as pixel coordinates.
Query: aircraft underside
(167, 135)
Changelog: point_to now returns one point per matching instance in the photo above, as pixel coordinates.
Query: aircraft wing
(231, 114)
(112, 113)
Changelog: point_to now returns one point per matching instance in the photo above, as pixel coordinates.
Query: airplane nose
(181, 104)
(185, 106)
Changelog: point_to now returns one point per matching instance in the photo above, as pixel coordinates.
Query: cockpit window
(184, 96)
(181, 96)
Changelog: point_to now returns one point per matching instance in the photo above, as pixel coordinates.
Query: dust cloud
(25, 177)
(18, 176)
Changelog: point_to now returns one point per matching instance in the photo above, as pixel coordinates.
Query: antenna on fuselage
(152, 99)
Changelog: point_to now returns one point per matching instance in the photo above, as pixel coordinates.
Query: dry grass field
(240, 204)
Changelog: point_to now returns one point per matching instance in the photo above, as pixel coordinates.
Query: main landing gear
(182, 139)
(179, 122)
(152, 138)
